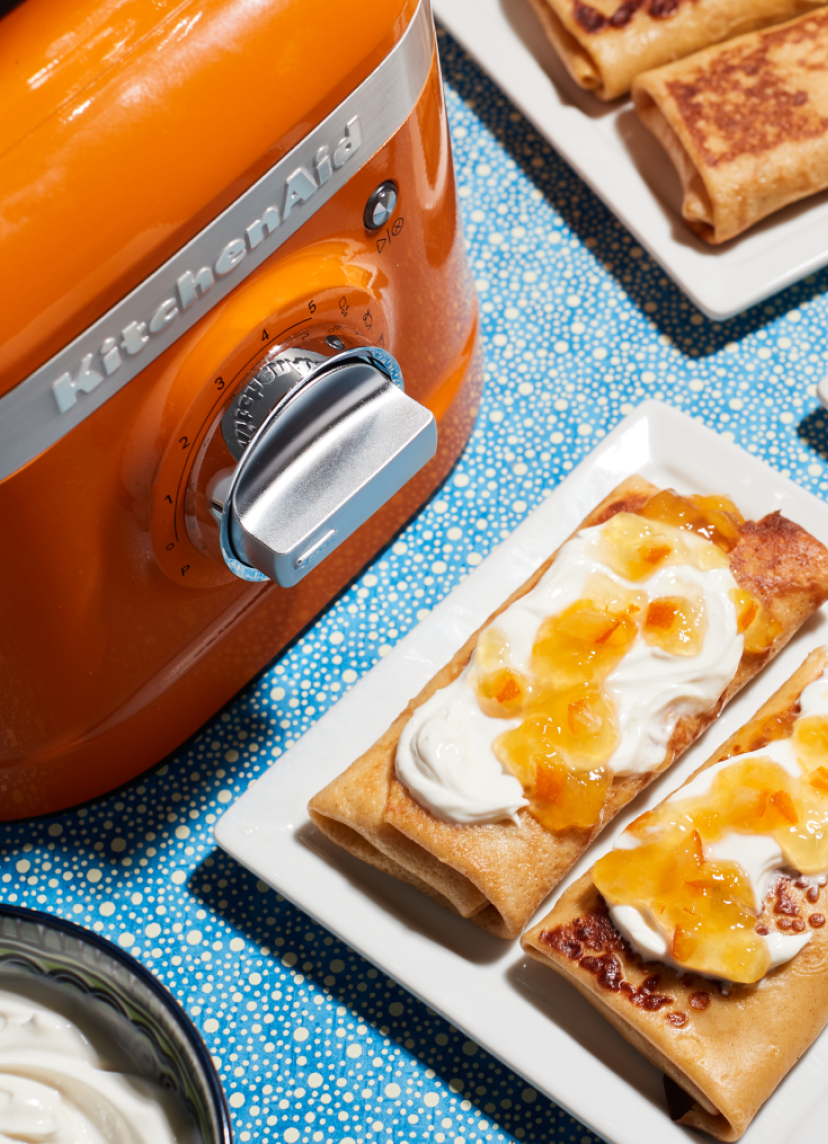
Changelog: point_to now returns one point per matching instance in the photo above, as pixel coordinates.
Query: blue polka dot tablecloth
(579, 325)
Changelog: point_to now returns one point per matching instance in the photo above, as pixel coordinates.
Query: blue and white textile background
(314, 1045)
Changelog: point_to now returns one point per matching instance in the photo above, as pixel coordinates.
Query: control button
(380, 206)
(332, 450)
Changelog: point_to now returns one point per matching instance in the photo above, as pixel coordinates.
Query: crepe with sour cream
(585, 685)
(728, 1013)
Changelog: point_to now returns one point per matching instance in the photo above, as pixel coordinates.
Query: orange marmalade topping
(569, 732)
(707, 907)
(588, 640)
(715, 518)
(676, 624)
(752, 619)
(636, 548)
(558, 754)
(560, 750)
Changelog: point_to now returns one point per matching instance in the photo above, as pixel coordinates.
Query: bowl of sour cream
(93, 1048)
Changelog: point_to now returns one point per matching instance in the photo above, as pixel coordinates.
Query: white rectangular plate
(523, 1013)
(613, 152)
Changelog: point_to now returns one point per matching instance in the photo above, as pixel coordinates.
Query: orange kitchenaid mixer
(238, 349)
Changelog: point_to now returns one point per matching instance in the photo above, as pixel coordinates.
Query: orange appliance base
(265, 621)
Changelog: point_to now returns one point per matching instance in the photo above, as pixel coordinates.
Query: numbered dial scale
(309, 443)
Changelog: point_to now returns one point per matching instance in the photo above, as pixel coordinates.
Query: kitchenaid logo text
(191, 286)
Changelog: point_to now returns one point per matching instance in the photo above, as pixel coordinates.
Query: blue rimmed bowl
(152, 1028)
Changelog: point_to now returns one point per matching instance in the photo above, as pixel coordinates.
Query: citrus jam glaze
(697, 870)
(637, 622)
(562, 749)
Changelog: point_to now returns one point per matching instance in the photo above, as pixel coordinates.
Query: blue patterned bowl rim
(215, 1092)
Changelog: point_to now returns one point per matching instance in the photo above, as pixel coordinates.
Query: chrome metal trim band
(118, 346)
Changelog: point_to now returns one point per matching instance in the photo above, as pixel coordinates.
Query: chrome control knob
(321, 444)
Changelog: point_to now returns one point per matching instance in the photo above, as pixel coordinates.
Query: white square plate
(613, 152)
(523, 1013)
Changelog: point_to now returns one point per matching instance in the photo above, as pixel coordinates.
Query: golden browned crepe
(722, 1054)
(745, 124)
(607, 43)
(497, 874)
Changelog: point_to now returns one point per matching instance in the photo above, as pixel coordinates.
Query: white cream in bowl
(65, 1080)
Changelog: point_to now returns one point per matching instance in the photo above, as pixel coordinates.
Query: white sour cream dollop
(56, 1089)
(445, 756)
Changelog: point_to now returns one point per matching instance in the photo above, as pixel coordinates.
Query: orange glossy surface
(127, 125)
(112, 657)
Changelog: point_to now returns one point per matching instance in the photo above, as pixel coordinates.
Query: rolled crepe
(607, 43)
(722, 1054)
(498, 873)
(745, 124)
